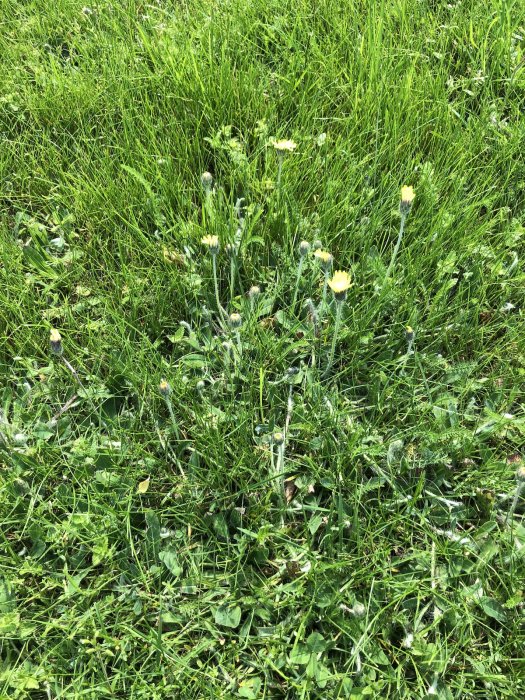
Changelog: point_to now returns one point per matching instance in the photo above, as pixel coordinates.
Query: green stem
(299, 271)
(323, 298)
(279, 171)
(232, 274)
(280, 469)
(338, 316)
(397, 246)
(77, 379)
(221, 311)
(172, 416)
(239, 345)
(519, 489)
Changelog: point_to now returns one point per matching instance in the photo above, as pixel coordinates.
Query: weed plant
(261, 409)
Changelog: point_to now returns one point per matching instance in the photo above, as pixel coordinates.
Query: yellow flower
(324, 257)
(164, 388)
(340, 283)
(212, 242)
(407, 194)
(284, 146)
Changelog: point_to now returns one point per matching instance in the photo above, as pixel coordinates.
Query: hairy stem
(338, 316)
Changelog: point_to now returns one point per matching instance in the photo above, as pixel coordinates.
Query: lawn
(234, 473)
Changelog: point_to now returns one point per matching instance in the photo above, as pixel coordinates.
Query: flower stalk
(520, 478)
(339, 284)
(165, 391)
(304, 248)
(325, 259)
(407, 198)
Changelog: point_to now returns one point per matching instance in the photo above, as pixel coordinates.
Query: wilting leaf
(143, 486)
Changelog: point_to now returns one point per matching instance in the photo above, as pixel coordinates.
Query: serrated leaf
(100, 550)
(9, 623)
(194, 360)
(153, 528)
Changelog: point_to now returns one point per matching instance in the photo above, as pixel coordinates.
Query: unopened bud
(207, 180)
(304, 248)
(164, 388)
(278, 438)
(235, 320)
(55, 340)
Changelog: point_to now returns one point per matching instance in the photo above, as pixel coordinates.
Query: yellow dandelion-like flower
(284, 146)
(211, 242)
(407, 197)
(407, 194)
(324, 257)
(340, 284)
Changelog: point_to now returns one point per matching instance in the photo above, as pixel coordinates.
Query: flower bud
(304, 248)
(164, 388)
(207, 181)
(235, 320)
(278, 438)
(55, 340)
(407, 197)
(325, 258)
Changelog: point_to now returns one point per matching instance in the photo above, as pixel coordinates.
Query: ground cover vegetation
(262, 349)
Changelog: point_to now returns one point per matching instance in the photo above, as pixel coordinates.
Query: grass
(149, 553)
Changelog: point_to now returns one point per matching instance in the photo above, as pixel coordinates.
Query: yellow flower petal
(340, 282)
(210, 241)
(407, 194)
(284, 145)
